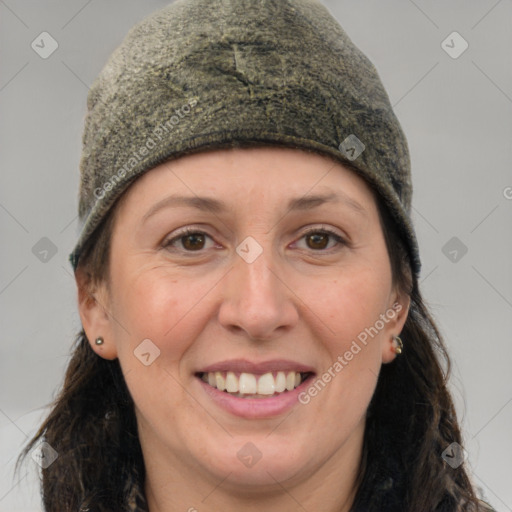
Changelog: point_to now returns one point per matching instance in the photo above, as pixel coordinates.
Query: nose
(257, 300)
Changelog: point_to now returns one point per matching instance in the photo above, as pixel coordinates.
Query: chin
(253, 465)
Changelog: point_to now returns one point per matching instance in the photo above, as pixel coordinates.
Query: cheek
(351, 304)
(158, 306)
(162, 307)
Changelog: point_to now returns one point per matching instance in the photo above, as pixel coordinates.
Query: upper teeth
(248, 383)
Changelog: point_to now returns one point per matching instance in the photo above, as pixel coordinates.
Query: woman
(254, 337)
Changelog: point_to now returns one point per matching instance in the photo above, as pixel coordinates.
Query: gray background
(456, 113)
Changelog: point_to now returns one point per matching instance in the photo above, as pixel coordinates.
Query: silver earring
(99, 340)
(399, 345)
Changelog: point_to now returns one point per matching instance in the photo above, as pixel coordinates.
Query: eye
(318, 238)
(192, 240)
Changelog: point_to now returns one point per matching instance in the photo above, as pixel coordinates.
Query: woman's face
(261, 284)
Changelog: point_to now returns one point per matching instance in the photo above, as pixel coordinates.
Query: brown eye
(191, 240)
(318, 239)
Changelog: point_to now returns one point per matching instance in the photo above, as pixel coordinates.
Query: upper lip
(245, 366)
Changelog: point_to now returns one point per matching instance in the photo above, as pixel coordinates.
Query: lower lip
(253, 408)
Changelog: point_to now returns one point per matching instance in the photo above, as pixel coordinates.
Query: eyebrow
(213, 205)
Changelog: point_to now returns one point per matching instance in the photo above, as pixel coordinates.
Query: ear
(93, 305)
(397, 312)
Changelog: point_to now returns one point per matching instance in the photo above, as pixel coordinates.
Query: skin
(303, 298)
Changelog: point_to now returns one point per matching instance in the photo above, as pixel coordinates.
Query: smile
(250, 385)
(254, 389)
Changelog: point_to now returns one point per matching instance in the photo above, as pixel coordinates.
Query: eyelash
(192, 231)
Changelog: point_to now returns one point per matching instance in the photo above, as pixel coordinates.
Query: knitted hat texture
(208, 74)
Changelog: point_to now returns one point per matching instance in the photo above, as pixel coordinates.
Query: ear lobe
(93, 309)
(391, 348)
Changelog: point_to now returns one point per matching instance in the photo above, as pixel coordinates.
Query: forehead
(238, 178)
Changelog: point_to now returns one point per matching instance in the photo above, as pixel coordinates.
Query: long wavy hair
(411, 418)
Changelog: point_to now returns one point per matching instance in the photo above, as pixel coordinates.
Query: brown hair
(410, 420)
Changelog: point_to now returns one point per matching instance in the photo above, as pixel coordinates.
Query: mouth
(252, 385)
(255, 389)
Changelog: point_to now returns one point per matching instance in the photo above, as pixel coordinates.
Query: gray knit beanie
(206, 74)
